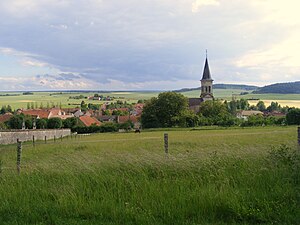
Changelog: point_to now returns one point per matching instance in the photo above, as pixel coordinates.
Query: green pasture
(21, 100)
(210, 176)
(37, 98)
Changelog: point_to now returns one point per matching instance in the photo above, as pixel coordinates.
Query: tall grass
(133, 182)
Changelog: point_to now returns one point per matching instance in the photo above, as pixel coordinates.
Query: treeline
(73, 123)
(16, 122)
(223, 86)
(280, 88)
(170, 109)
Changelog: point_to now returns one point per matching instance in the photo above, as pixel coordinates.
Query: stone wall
(11, 136)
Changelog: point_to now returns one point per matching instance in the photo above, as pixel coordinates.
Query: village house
(89, 121)
(46, 113)
(244, 114)
(137, 109)
(108, 118)
(134, 119)
(5, 117)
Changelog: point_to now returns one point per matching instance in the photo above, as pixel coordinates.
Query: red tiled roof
(121, 109)
(139, 105)
(41, 113)
(88, 121)
(55, 112)
(5, 117)
(123, 119)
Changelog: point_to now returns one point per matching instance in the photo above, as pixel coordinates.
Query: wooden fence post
(166, 141)
(45, 139)
(54, 138)
(33, 141)
(299, 137)
(19, 153)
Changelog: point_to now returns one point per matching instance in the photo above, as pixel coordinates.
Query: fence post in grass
(299, 137)
(33, 141)
(54, 138)
(45, 139)
(166, 141)
(61, 137)
(19, 152)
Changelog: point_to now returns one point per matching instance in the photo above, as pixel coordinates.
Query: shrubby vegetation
(293, 117)
(170, 109)
(6, 109)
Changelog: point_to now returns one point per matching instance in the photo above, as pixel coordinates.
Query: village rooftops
(88, 121)
(5, 117)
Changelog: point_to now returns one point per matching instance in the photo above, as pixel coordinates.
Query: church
(206, 92)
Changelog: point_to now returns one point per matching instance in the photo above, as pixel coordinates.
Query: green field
(226, 176)
(21, 101)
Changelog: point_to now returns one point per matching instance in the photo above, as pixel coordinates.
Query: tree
(215, 113)
(165, 110)
(293, 117)
(54, 123)
(261, 106)
(244, 104)
(3, 109)
(127, 125)
(149, 116)
(274, 107)
(15, 122)
(232, 107)
(83, 106)
(41, 123)
(70, 122)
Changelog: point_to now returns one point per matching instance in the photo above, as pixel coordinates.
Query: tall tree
(261, 106)
(164, 110)
(293, 117)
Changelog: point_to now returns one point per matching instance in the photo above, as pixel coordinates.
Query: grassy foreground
(229, 176)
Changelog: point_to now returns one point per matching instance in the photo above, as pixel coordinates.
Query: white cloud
(150, 44)
(200, 3)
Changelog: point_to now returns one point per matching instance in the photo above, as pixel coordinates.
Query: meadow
(63, 99)
(210, 176)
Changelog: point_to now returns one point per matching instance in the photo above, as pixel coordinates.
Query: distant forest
(224, 86)
(280, 88)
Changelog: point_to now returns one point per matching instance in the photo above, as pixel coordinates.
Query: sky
(146, 44)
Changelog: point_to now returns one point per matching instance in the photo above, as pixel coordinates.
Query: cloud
(201, 3)
(133, 43)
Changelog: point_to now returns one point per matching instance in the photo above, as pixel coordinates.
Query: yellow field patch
(290, 103)
(26, 101)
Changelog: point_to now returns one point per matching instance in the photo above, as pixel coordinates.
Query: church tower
(206, 83)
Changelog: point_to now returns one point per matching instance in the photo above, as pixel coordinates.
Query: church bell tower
(206, 83)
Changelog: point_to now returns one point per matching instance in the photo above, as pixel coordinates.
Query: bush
(70, 122)
(41, 123)
(107, 127)
(54, 123)
(293, 117)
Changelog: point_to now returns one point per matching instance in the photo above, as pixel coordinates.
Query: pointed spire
(206, 71)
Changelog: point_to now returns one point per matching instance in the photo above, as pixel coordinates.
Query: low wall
(11, 136)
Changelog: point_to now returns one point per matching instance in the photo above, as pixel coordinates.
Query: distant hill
(280, 88)
(223, 86)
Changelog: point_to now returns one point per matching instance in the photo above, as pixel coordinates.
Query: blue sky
(146, 44)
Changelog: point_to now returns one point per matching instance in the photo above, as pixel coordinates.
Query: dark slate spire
(206, 71)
